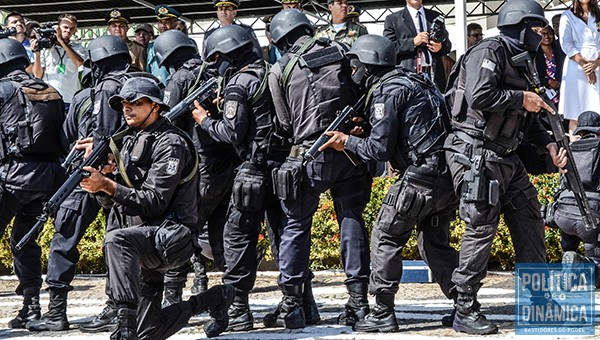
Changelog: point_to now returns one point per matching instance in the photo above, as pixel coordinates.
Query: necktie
(422, 29)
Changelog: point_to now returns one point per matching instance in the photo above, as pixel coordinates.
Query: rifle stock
(343, 118)
(561, 139)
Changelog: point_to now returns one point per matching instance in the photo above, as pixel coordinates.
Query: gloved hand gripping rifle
(340, 123)
(562, 140)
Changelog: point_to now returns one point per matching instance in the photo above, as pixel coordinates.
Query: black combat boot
(56, 317)
(126, 324)
(200, 284)
(240, 316)
(381, 319)
(448, 320)
(358, 304)
(216, 301)
(30, 311)
(290, 313)
(311, 312)
(468, 319)
(106, 321)
(173, 294)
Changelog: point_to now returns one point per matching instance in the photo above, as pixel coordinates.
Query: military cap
(588, 121)
(144, 27)
(116, 15)
(291, 1)
(136, 88)
(234, 3)
(166, 12)
(354, 11)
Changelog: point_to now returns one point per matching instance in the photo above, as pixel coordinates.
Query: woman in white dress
(580, 40)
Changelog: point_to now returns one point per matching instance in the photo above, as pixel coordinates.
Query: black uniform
(216, 169)
(149, 228)
(305, 106)
(409, 125)
(80, 209)
(489, 124)
(31, 116)
(566, 214)
(248, 125)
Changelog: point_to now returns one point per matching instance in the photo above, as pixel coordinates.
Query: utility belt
(486, 144)
(299, 150)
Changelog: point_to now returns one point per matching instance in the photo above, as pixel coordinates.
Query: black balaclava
(103, 67)
(523, 34)
(285, 43)
(178, 58)
(11, 66)
(230, 63)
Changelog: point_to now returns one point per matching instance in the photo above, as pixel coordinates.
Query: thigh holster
(249, 188)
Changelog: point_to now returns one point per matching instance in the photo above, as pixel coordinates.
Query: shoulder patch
(378, 111)
(167, 97)
(172, 166)
(231, 109)
(490, 65)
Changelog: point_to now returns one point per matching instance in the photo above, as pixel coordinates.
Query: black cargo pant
(214, 192)
(394, 227)
(242, 229)
(573, 231)
(331, 170)
(25, 207)
(73, 218)
(518, 202)
(135, 274)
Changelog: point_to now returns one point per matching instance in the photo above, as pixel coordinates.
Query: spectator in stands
(16, 20)
(580, 40)
(556, 24)
(144, 33)
(270, 53)
(182, 26)
(549, 62)
(59, 64)
(118, 25)
(287, 4)
(340, 29)
(474, 34)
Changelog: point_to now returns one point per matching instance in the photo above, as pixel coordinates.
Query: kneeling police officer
(152, 211)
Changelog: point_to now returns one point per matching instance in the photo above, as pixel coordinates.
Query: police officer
(305, 112)
(341, 28)
(89, 114)
(31, 116)
(248, 125)
(492, 111)
(409, 125)
(152, 211)
(218, 160)
(566, 213)
(226, 13)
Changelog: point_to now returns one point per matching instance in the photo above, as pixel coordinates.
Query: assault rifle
(562, 140)
(98, 156)
(343, 119)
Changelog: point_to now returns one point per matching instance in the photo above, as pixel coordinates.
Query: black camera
(436, 32)
(46, 36)
(8, 32)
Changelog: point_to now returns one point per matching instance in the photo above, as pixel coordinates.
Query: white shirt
(415, 18)
(66, 83)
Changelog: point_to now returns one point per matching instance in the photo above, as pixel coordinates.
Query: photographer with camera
(420, 38)
(57, 58)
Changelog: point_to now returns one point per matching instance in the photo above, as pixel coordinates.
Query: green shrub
(325, 234)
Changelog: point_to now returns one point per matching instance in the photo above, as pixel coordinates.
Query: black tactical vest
(31, 118)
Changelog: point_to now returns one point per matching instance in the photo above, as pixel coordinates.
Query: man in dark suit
(408, 30)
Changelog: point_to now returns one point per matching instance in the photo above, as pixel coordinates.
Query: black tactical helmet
(374, 50)
(227, 39)
(514, 12)
(104, 47)
(11, 49)
(286, 21)
(170, 41)
(588, 121)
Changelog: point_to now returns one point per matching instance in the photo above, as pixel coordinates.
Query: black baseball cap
(588, 121)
